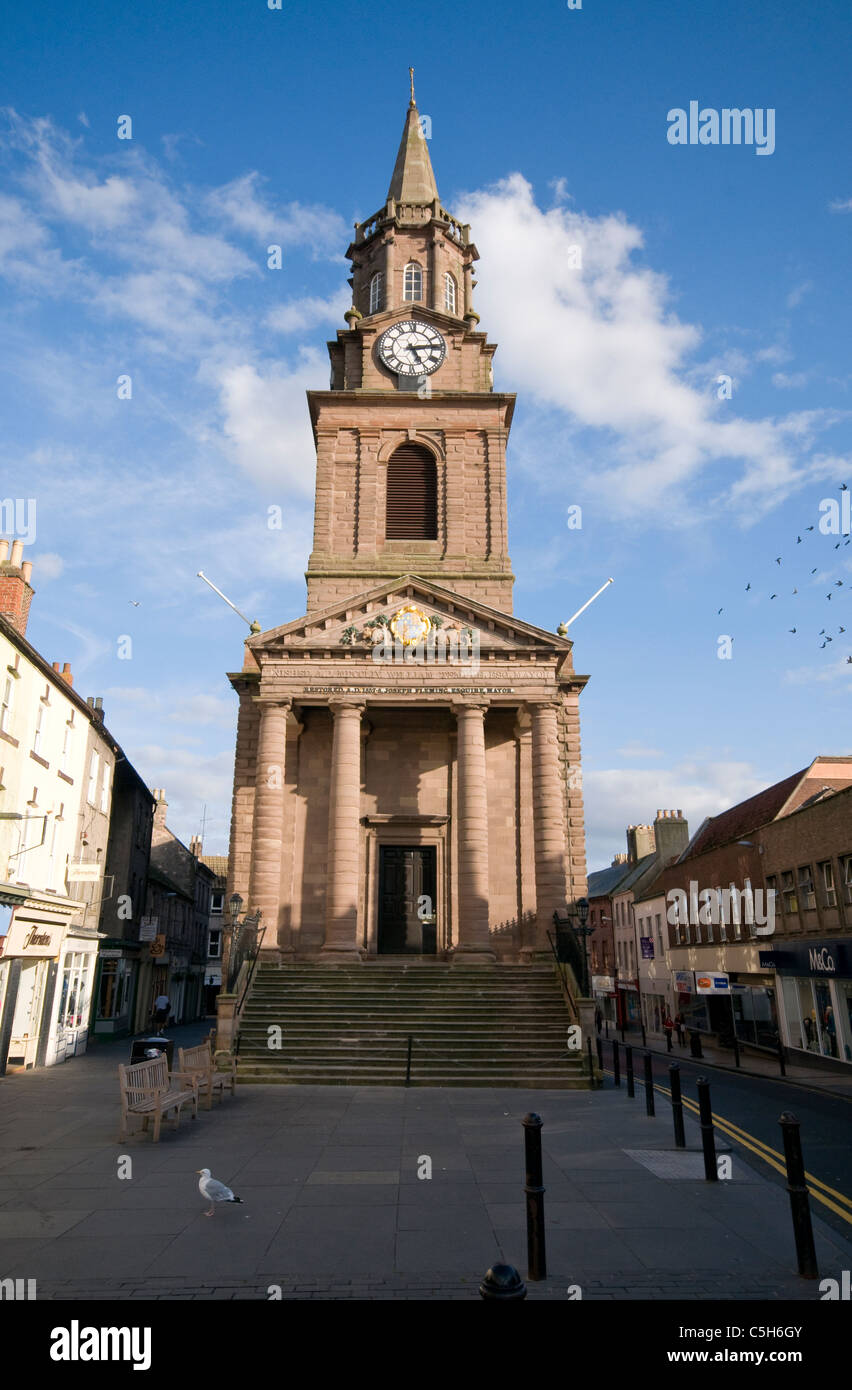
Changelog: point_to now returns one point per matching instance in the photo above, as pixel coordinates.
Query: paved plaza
(333, 1206)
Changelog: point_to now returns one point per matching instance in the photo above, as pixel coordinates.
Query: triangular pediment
(356, 622)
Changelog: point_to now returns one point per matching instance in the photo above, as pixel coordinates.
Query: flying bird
(813, 571)
(133, 601)
(849, 661)
(791, 629)
(841, 629)
(798, 540)
(809, 528)
(214, 1190)
(772, 596)
(821, 647)
(843, 487)
(837, 547)
(718, 613)
(828, 596)
(795, 591)
(778, 560)
(838, 583)
(748, 586)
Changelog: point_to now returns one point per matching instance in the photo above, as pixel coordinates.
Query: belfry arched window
(377, 292)
(450, 296)
(412, 284)
(412, 495)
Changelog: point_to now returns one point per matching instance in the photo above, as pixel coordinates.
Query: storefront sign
(711, 984)
(684, 981)
(158, 946)
(647, 945)
(603, 984)
(822, 959)
(148, 928)
(28, 938)
(84, 873)
(110, 955)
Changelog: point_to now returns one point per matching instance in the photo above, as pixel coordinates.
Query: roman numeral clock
(412, 348)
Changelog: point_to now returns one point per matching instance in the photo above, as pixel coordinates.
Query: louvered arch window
(412, 495)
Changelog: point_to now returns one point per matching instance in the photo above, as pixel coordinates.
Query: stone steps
(349, 1025)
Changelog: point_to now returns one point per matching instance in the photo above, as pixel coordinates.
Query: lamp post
(235, 907)
(584, 931)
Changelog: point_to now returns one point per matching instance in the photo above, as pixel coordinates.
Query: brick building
(400, 781)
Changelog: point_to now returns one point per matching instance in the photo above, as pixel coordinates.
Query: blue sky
(549, 127)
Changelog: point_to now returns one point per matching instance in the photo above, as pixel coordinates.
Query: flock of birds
(836, 585)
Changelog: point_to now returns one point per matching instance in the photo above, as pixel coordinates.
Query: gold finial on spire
(411, 80)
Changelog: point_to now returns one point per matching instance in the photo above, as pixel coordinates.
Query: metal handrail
(563, 967)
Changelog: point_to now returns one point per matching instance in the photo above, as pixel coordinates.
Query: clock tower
(407, 776)
(411, 436)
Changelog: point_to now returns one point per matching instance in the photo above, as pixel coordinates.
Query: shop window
(806, 888)
(788, 892)
(73, 1002)
(114, 988)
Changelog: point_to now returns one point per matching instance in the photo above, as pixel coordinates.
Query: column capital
(470, 706)
(273, 702)
(537, 705)
(347, 706)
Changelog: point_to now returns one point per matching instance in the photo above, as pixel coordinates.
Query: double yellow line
(816, 1187)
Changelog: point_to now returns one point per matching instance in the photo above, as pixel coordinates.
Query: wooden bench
(212, 1074)
(148, 1090)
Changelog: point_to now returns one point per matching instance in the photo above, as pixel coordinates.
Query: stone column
(344, 835)
(526, 848)
(548, 821)
(268, 824)
(473, 942)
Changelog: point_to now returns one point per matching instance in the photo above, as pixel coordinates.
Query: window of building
(377, 293)
(412, 495)
(788, 892)
(449, 293)
(217, 904)
(806, 887)
(116, 976)
(73, 1003)
(93, 779)
(6, 710)
(39, 729)
(214, 949)
(105, 789)
(412, 284)
(829, 893)
(659, 925)
(66, 748)
(846, 868)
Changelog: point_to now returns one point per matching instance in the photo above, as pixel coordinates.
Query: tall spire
(413, 180)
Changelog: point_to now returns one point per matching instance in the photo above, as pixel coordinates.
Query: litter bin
(142, 1046)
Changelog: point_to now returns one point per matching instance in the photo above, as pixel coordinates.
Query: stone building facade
(405, 775)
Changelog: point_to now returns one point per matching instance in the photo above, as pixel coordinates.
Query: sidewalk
(751, 1063)
(333, 1206)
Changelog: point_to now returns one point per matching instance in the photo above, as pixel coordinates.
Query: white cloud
(841, 205)
(47, 566)
(241, 204)
(790, 381)
(601, 347)
(300, 314)
(266, 421)
(798, 293)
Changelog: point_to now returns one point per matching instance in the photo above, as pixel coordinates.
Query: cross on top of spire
(411, 80)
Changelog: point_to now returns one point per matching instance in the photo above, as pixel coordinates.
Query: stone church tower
(407, 776)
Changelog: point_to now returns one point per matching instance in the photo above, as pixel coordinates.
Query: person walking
(668, 1025)
(162, 1009)
(679, 1022)
(598, 1020)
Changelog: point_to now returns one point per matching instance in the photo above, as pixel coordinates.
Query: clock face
(412, 348)
(410, 625)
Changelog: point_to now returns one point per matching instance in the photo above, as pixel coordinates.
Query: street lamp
(584, 931)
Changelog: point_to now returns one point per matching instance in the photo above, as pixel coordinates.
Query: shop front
(816, 992)
(603, 990)
(115, 988)
(48, 968)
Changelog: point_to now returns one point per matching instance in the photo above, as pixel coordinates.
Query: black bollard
(798, 1190)
(600, 1054)
(677, 1105)
(708, 1138)
(504, 1282)
(408, 1062)
(631, 1091)
(695, 1045)
(616, 1063)
(649, 1085)
(781, 1056)
(536, 1257)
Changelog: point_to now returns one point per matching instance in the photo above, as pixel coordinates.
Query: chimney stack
(195, 846)
(161, 807)
(66, 673)
(16, 592)
(671, 835)
(640, 841)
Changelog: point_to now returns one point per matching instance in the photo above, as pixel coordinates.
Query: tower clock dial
(412, 348)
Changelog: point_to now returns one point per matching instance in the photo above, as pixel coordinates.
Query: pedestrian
(598, 1020)
(162, 1009)
(679, 1022)
(668, 1025)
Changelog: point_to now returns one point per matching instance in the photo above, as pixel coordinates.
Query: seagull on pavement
(214, 1190)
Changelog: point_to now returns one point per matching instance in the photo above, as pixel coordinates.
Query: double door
(407, 905)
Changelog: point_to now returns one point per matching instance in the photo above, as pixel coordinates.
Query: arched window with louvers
(412, 495)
